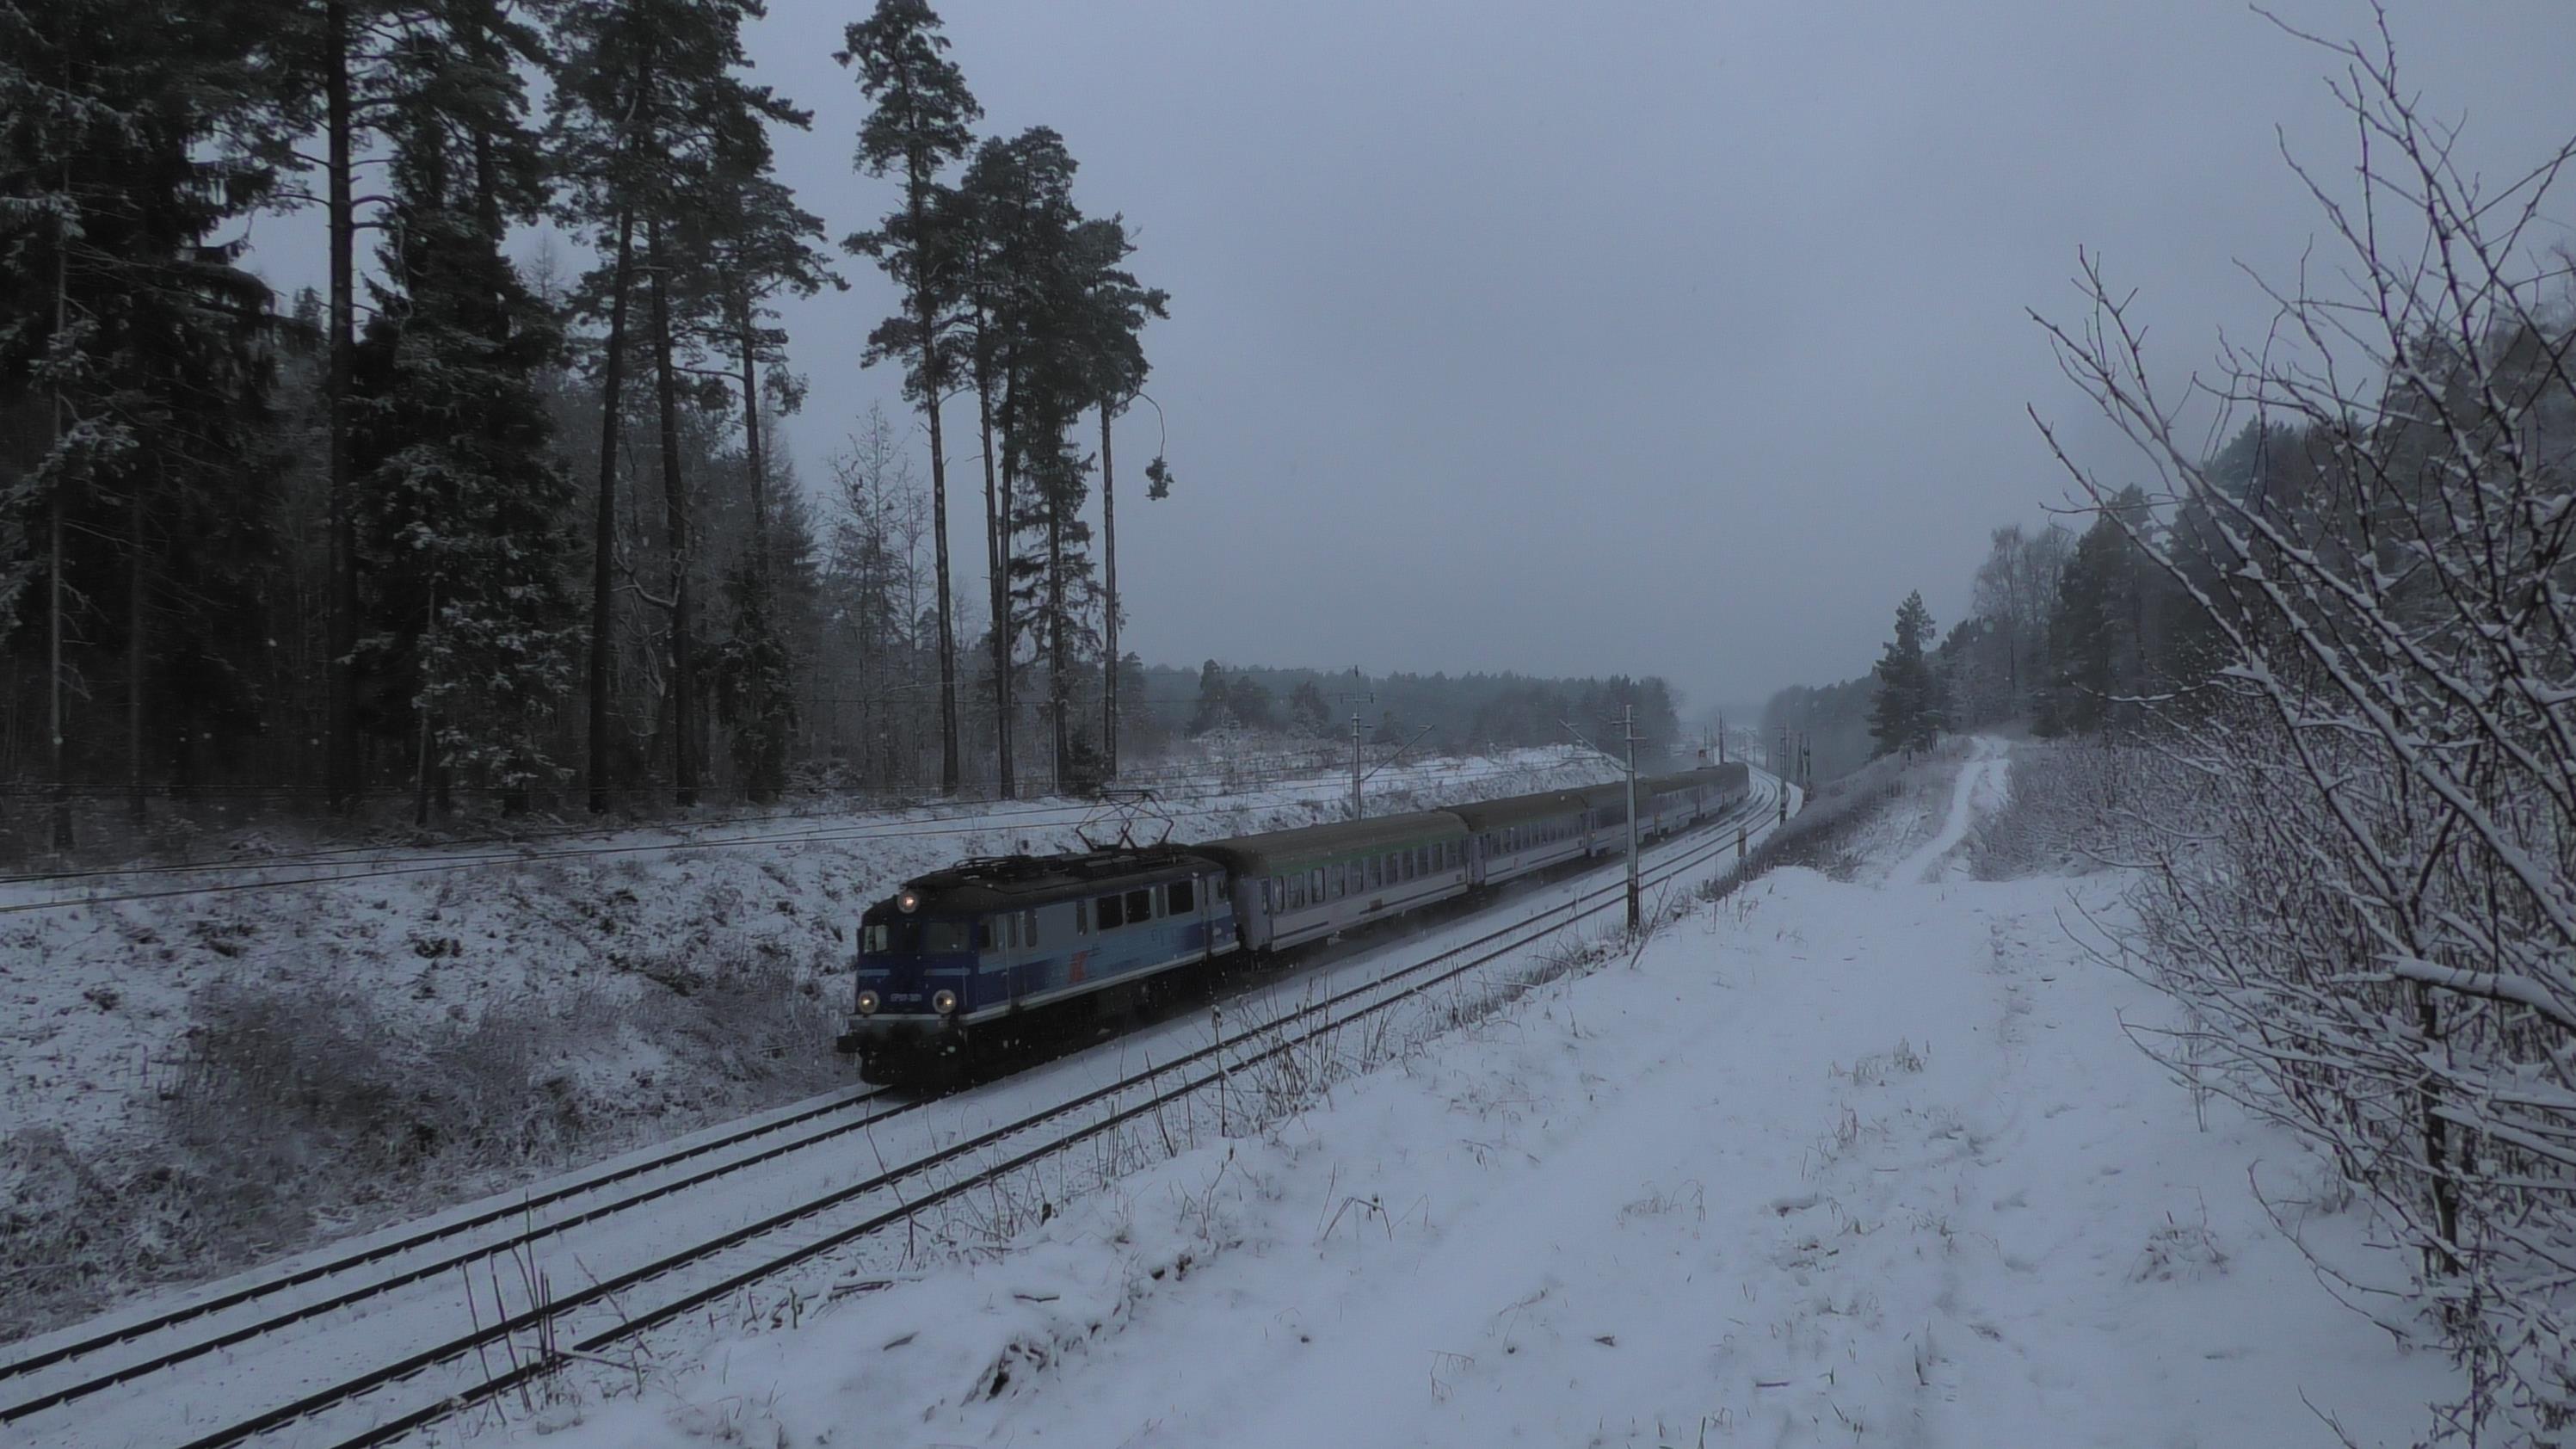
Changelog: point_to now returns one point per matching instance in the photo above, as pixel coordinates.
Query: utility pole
(1355, 699)
(1628, 730)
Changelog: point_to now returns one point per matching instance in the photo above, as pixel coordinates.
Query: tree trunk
(751, 452)
(675, 496)
(603, 553)
(1057, 697)
(997, 552)
(136, 807)
(55, 410)
(341, 753)
(1109, 615)
(62, 800)
(933, 384)
(420, 772)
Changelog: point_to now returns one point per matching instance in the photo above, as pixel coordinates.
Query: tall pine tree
(463, 507)
(645, 104)
(922, 123)
(1906, 714)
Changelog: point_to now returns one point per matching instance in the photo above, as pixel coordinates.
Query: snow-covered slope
(1832, 1164)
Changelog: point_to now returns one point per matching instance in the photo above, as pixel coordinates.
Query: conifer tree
(1906, 714)
(463, 508)
(1307, 712)
(647, 101)
(921, 124)
(133, 373)
(1215, 702)
(1116, 307)
(755, 243)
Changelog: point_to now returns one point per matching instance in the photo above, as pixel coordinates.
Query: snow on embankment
(414, 1031)
(1833, 1163)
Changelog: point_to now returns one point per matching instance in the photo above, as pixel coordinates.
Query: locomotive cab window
(941, 938)
(1140, 906)
(1183, 896)
(877, 941)
(1112, 912)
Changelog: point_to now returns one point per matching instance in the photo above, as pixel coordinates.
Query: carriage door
(1200, 910)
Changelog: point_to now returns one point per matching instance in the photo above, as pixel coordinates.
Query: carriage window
(1140, 906)
(877, 941)
(942, 938)
(1112, 913)
(1183, 896)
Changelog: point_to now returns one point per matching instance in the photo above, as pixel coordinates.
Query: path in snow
(1986, 768)
(1830, 1165)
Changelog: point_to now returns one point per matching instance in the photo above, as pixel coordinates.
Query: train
(962, 963)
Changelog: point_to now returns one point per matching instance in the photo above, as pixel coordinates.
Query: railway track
(491, 1352)
(341, 1279)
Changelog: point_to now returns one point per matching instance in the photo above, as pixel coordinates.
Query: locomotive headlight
(907, 903)
(943, 1002)
(867, 1003)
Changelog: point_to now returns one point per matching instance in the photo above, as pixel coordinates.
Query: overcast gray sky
(1670, 337)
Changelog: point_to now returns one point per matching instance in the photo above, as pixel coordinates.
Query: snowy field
(462, 1016)
(1828, 1163)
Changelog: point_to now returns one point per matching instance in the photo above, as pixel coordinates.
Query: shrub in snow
(2364, 893)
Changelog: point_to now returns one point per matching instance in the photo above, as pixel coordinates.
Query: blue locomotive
(966, 960)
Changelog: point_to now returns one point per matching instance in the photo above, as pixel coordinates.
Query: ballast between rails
(1392, 987)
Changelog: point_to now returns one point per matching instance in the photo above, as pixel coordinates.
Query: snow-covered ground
(257, 1372)
(1829, 1163)
(399, 1028)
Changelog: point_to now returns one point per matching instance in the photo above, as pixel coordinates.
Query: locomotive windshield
(912, 936)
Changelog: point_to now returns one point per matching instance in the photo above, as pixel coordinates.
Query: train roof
(1254, 853)
(1013, 882)
(1486, 815)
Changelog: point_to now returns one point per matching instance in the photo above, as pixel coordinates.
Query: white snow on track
(1832, 1164)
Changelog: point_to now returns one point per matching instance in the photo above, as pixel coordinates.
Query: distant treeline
(2082, 633)
(1450, 712)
